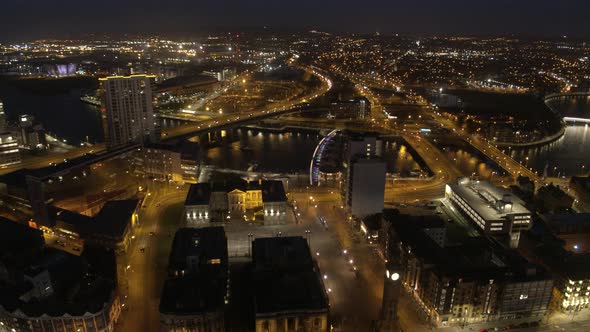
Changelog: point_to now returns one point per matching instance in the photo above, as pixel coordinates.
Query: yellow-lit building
(260, 200)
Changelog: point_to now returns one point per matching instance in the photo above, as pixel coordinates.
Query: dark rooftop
(198, 194)
(468, 257)
(285, 277)
(199, 246)
(201, 286)
(111, 221)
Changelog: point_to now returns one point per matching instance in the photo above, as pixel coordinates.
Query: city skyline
(186, 18)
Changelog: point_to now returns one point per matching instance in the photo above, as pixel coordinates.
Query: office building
(363, 181)
(493, 210)
(31, 132)
(263, 200)
(288, 292)
(9, 151)
(356, 108)
(222, 75)
(178, 162)
(129, 112)
(196, 292)
(468, 280)
(2, 117)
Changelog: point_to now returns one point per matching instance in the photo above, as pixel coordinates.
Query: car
(142, 249)
(152, 233)
(158, 205)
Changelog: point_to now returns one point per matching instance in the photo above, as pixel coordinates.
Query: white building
(363, 187)
(492, 209)
(9, 152)
(128, 103)
(2, 117)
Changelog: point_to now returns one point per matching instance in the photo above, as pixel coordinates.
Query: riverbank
(545, 140)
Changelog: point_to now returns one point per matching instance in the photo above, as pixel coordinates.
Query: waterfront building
(262, 200)
(2, 117)
(467, 280)
(492, 210)
(196, 292)
(288, 291)
(129, 112)
(169, 162)
(32, 134)
(9, 151)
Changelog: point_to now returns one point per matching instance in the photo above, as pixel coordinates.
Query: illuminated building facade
(128, 103)
(471, 280)
(494, 210)
(262, 200)
(9, 152)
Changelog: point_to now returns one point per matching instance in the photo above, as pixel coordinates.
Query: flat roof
(478, 258)
(482, 197)
(285, 277)
(202, 289)
(205, 244)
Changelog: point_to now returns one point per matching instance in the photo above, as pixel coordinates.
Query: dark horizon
(67, 18)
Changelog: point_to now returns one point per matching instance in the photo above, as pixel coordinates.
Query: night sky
(62, 18)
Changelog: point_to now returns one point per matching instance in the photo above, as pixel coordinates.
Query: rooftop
(202, 254)
(473, 258)
(489, 201)
(200, 246)
(285, 277)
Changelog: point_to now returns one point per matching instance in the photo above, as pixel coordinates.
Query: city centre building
(493, 210)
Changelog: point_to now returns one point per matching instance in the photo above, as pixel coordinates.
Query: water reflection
(569, 155)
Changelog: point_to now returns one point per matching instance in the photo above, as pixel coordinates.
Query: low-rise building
(196, 292)
(493, 210)
(47, 290)
(288, 291)
(262, 200)
(580, 189)
(572, 228)
(111, 228)
(552, 199)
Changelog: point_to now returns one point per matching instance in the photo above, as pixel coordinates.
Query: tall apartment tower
(129, 112)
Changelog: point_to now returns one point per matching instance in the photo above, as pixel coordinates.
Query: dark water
(570, 155)
(287, 152)
(290, 152)
(63, 114)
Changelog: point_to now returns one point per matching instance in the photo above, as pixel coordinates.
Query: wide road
(146, 270)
